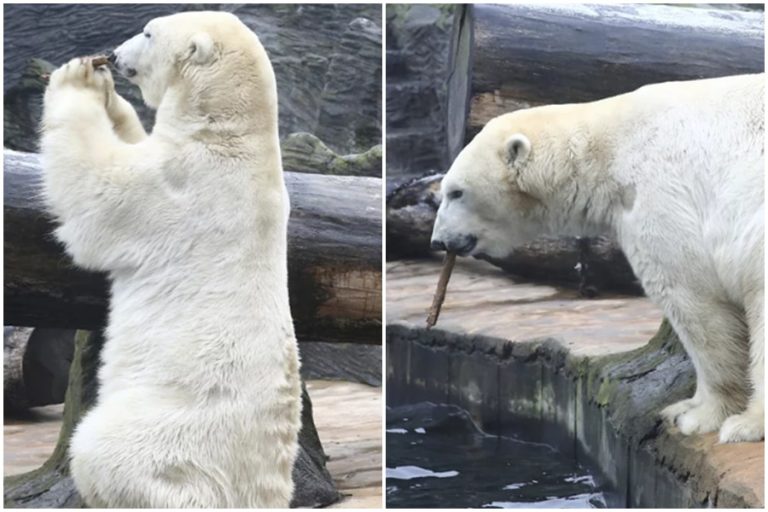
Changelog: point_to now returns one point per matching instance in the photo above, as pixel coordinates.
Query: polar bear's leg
(107, 194)
(715, 339)
(749, 425)
(125, 120)
(120, 461)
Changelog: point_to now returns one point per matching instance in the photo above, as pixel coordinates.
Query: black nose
(437, 245)
(112, 58)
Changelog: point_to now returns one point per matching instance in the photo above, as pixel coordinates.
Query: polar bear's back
(693, 151)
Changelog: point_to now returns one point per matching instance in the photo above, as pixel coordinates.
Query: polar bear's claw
(700, 419)
(671, 412)
(743, 427)
(80, 73)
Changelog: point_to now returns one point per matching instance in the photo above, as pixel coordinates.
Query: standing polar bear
(199, 401)
(675, 172)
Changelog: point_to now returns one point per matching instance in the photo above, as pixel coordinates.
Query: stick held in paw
(96, 60)
(99, 60)
(442, 285)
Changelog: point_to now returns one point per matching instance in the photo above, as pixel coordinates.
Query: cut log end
(442, 285)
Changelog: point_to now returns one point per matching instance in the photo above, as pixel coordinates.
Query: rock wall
(327, 60)
(418, 43)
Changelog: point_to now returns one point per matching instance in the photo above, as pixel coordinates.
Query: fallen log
(589, 264)
(528, 55)
(334, 258)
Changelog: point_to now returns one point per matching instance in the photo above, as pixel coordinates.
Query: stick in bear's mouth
(442, 285)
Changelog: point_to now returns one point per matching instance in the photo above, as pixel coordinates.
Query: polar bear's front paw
(80, 74)
(671, 412)
(747, 426)
(704, 417)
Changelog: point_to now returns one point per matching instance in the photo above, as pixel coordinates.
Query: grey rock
(327, 62)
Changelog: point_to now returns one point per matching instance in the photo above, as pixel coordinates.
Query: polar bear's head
(206, 55)
(485, 208)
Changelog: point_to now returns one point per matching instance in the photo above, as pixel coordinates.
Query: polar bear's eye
(455, 194)
(147, 35)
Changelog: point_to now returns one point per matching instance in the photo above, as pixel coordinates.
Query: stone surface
(327, 61)
(348, 419)
(482, 299)
(418, 42)
(303, 152)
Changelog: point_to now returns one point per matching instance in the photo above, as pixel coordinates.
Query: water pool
(437, 457)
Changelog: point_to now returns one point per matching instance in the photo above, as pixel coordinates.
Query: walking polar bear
(675, 172)
(199, 400)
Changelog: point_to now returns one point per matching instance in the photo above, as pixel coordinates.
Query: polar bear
(199, 400)
(675, 172)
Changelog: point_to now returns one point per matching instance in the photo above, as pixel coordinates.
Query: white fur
(675, 172)
(199, 403)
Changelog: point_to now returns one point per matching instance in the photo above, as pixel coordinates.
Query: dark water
(436, 457)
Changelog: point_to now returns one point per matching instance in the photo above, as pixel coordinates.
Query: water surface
(437, 457)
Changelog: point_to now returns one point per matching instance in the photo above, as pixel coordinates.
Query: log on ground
(334, 258)
(600, 51)
(591, 264)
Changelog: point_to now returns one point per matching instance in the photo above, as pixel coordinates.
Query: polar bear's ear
(200, 49)
(518, 147)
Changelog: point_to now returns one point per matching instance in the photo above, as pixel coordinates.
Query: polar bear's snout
(443, 240)
(125, 57)
(461, 245)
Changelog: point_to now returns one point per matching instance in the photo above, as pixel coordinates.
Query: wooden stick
(99, 60)
(96, 60)
(442, 285)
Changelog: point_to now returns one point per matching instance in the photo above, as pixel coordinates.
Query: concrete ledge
(607, 401)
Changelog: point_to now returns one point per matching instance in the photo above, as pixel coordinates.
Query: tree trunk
(50, 486)
(589, 264)
(334, 258)
(528, 55)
